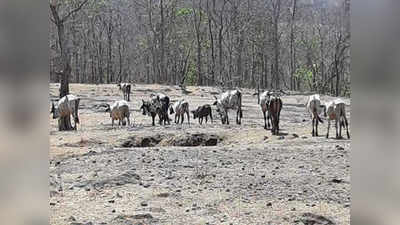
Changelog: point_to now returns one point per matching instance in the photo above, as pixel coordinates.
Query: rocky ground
(195, 174)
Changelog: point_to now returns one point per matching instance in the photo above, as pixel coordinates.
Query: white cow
(229, 100)
(180, 108)
(264, 102)
(65, 107)
(119, 111)
(336, 110)
(315, 108)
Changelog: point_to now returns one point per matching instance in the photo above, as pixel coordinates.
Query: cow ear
(215, 103)
(215, 97)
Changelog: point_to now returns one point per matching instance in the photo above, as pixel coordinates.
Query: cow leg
(316, 127)
(313, 122)
(153, 118)
(336, 126)
(272, 126)
(265, 120)
(188, 117)
(182, 118)
(347, 127)
(277, 126)
(200, 120)
(176, 118)
(329, 126)
(227, 118)
(112, 122)
(340, 127)
(206, 119)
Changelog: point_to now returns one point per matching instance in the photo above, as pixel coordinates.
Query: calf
(203, 111)
(180, 108)
(119, 111)
(315, 108)
(65, 107)
(274, 110)
(264, 103)
(126, 90)
(336, 110)
(229, 100)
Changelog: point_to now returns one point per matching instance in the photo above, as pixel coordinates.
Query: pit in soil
(164, 140)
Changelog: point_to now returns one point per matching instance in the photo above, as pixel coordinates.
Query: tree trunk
(162, 66)
(292, 51)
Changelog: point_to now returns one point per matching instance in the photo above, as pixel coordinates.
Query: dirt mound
(184, 140)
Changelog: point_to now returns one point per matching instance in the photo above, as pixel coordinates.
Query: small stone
(338, 147)
(144, 204)
(337, 181)
(71, 219)
(269, 204)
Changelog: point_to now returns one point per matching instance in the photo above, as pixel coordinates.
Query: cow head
(194, 113)
(171, 109)
(54, 111)
(222, 114)
(108, 109)
(145, 107)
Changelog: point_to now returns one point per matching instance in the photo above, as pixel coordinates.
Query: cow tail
(316, 115)
(76, 118)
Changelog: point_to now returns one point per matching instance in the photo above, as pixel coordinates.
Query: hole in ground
(184, 140)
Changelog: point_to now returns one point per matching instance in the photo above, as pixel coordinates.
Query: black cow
(203, 111)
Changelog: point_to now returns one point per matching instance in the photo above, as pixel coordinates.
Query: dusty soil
(195, 174)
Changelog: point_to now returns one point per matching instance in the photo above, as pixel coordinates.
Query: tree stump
(64, 124)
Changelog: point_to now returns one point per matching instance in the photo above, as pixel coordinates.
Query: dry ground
(249, 177)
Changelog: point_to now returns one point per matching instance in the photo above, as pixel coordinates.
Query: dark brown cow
(274, 110)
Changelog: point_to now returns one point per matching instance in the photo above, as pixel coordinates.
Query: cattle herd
(159, 105)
